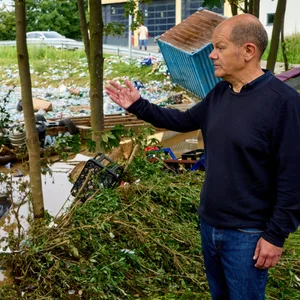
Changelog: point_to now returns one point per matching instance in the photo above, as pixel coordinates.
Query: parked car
(52, 39)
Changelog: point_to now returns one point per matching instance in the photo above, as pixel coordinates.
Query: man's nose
(212, 54)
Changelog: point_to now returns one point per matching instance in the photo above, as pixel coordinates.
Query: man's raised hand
(123, 96)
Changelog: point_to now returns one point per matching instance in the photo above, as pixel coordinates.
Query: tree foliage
(60, 16)
(246, 6)
(7, 25)
(212, 3)
(63, 17)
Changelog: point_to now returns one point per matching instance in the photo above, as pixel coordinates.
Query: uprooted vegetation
(137, 241)
(134, 241)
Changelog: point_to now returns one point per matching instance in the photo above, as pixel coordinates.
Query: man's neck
(246, 77)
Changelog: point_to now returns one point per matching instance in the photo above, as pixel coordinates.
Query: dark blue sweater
(252, 154)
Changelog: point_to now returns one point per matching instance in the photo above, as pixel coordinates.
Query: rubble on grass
(64, 99)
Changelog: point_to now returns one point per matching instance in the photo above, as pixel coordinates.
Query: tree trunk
(32, 140)
(96, 70)
(278, 20)
(233, 6)
(283, 47)
(255, 8)
(246, 6)
(250, 7)
(84, 29)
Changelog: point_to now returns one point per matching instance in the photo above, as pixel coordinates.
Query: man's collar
(256, 82)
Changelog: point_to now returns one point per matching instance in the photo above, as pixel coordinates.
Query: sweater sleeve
(286, 147)
(171, 119)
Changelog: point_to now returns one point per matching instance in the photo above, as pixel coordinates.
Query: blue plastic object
(146, 61)
(138, 84)
(199, 164)
(192, 71)
(165, 150)
(169, 151)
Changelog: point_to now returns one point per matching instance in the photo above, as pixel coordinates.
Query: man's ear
(250, 51)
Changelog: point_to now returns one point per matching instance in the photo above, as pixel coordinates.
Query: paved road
(152, 50)
(279, 67)
(135, 51)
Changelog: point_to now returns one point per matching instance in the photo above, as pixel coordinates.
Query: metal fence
(50, 43)
(109, 49)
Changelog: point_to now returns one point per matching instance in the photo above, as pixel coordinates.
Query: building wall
(115, 13)
(292, 19)
(267, 11)
(159, 16)
(189, 7)
(113, 1)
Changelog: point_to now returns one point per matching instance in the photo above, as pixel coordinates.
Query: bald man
(250, 121)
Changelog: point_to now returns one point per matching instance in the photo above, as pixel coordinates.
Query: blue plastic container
(192, 71)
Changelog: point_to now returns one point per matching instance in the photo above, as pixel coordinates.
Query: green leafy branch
(111, 139)
(65, 144)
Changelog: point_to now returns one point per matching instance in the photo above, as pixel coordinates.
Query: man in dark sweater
(250, 121)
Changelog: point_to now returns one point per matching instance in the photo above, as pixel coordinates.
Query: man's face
(226, 56)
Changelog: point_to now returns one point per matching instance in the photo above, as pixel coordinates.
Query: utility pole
(129, 36)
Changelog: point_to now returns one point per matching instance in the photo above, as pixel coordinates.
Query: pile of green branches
(284, 278)
(140, 240)
(137, 241)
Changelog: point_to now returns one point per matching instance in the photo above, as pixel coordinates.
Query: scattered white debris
(127, 251)
(64, 97)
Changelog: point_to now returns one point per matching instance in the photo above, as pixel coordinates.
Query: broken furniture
(97, 173)
(191, 160)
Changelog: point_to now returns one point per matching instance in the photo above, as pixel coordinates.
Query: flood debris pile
(139, 240)
(62, 89)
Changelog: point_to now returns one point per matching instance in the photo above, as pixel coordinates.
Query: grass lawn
(71, 65)
(292, 47)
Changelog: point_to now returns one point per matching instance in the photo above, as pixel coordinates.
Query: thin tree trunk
(233, 6)
(246, 6)
(278, 20)
(250, 7)
(283, 47)
(32, 140)
(96, 70)
(84, 29)
(255, 8)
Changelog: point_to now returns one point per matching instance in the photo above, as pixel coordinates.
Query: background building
(267, 12)
(292, 19)
(159, 16)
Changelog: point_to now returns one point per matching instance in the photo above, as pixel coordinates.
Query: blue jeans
(143, 42)
(229, 265)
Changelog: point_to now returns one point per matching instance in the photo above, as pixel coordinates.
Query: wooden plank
(180, 137)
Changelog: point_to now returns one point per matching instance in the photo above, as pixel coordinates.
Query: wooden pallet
(110, 121)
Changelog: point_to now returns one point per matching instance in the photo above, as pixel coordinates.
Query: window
(270, 19)
(33, 35)
(52, 35)
(161, 16)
